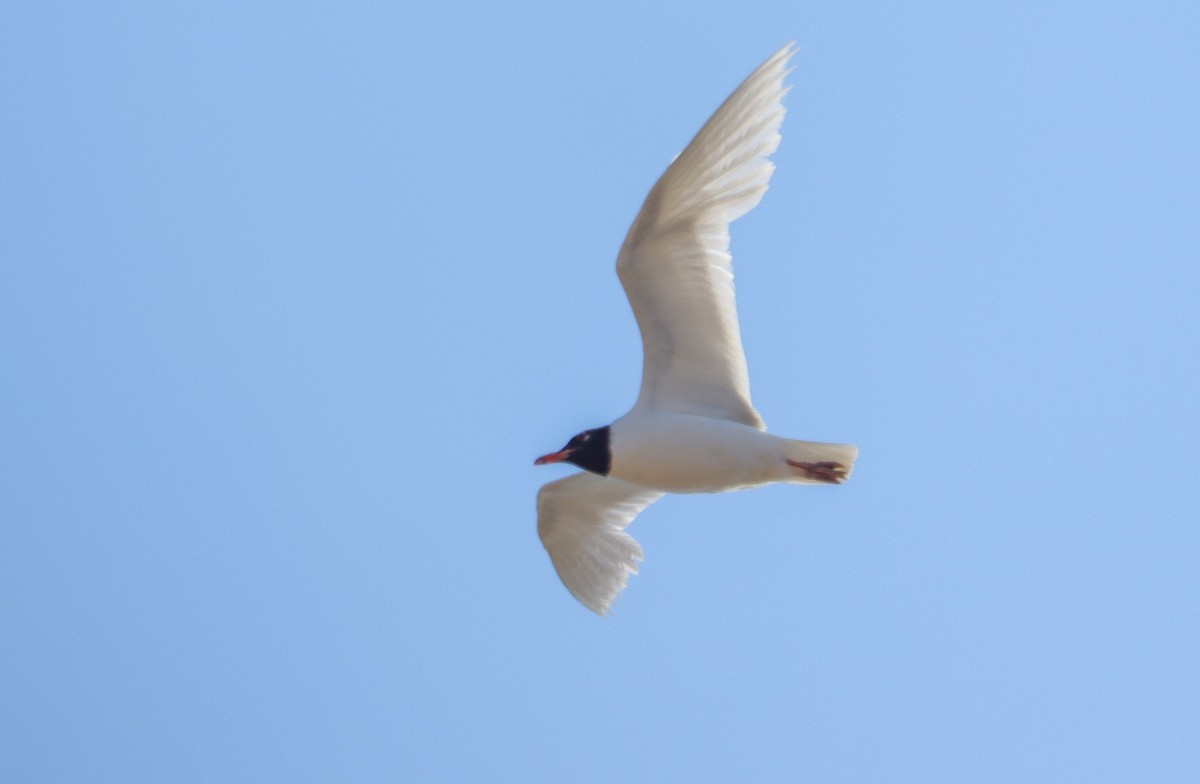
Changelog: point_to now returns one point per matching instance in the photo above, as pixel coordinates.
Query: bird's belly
(677, 453)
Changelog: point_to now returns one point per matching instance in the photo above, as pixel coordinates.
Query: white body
(693, 428)
(681, 453)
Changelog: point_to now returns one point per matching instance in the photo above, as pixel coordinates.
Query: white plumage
(675, 263)
(582, 520)
(693, 427)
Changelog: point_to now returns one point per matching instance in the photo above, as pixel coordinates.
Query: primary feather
(675, 263)
(581, 521)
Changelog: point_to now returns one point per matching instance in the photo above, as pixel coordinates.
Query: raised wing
(582, 520)
(675, 263)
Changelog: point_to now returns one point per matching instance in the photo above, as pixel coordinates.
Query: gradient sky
(292, 294)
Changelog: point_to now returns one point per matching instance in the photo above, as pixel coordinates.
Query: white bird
(693, 428)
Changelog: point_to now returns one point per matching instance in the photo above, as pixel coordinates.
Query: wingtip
(777, 66)
(602, 607)
(785, 55)
(785, 52)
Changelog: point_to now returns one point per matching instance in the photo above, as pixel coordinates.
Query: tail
(815, 454)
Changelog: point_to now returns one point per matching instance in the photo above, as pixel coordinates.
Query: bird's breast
(678, 453)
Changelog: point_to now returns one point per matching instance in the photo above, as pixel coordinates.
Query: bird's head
(590, 450)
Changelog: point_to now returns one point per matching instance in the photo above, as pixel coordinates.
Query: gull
(692, 428)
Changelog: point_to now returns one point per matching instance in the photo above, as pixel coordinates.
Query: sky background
(292, 294)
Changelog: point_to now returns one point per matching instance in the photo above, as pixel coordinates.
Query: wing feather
(675, 263)
(582, 521)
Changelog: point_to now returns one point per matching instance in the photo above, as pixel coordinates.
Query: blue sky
(291, 296)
